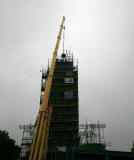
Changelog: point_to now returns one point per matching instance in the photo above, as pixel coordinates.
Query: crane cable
(63, 40)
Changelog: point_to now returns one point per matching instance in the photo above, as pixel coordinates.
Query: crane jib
(40, 139)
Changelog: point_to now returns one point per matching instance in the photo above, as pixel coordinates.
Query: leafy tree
(8, 149)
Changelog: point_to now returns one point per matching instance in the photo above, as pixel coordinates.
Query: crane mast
(40, 139)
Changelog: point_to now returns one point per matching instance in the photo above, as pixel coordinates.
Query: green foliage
(8, 149)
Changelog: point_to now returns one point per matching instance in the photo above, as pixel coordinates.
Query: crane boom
(40, 139)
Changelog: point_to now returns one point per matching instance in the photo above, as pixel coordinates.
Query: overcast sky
(101, 35)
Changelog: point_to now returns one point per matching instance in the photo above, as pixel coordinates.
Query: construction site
(57, 133)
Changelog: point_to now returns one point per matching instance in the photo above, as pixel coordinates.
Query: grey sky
(101, 35)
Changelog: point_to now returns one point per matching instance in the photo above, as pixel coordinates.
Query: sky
(100, 33)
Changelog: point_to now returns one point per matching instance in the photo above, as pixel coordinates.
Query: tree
(8, 149)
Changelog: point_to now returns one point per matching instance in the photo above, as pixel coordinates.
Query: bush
(8, 149)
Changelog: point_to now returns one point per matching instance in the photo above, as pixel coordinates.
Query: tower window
(69, 73)
(68, 80)
(68, 94)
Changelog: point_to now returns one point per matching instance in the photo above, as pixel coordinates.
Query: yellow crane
(40, 139)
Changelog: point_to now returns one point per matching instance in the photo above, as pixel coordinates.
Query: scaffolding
(92, 133)
(27, 138)
(64, 101)
(64, 123)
